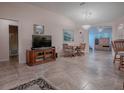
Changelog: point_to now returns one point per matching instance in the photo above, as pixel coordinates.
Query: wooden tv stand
(39, 56)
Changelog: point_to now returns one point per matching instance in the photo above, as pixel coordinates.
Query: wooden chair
(81, 49)
(116, 58)
(123, 85)
(121, 65)
(119, 45)
(119, 50)
(68, 51)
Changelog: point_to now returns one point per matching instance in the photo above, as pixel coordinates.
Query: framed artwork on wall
(38, 29)
(68, 35)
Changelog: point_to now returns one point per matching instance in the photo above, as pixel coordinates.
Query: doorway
(100, 38)
(13, 43)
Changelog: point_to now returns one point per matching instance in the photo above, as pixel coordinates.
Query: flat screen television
(39, 41)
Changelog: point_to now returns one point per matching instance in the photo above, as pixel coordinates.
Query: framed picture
(68, 35)
(38, 29)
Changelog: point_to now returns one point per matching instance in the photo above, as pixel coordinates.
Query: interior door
(13, 40)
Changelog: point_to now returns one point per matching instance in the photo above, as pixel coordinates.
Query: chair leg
(121, 62)
(123, 85)
(83, 53)
(114, 58)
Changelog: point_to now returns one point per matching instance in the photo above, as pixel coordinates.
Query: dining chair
(116, 56)
(82, 47)
(68, 51)
(121, 65)
(119, 51)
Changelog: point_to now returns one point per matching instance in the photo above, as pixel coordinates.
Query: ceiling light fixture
(86, 27)
(86, 15)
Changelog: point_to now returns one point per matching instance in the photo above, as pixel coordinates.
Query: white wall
(83, 37)
(4, 38)
(116, 33)
(27, 15)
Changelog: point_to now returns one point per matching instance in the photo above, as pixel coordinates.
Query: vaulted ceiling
(98, 13)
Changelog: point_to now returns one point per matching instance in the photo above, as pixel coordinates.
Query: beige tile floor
(92, 71)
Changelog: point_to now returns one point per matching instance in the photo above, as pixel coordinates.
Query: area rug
(38, 84)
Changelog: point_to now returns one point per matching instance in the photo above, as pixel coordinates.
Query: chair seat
(121, 53)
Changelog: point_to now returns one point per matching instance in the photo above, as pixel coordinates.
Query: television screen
(41, 41)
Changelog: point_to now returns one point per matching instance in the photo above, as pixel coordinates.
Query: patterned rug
(38, 84)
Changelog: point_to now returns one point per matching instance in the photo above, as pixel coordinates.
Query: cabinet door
(39, 56)
(29, 57)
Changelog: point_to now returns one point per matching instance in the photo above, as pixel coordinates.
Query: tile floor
(89, 72)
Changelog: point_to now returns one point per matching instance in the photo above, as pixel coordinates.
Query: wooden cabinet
(39, 56)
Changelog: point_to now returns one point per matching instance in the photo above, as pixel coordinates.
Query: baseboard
(22, 62)
(2, 60)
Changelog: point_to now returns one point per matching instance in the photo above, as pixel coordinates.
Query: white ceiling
(100, 12)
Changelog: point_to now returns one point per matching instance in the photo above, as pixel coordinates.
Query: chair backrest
(65, 46)
(83, 46)
(119, 45)
(113, 46)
